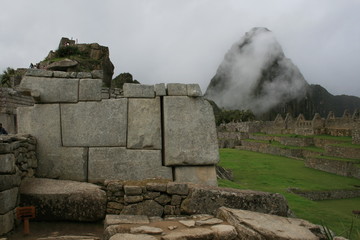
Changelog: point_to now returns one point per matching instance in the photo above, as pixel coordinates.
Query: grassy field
(276, 174)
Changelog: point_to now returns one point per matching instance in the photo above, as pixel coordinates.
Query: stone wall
(327, 195)
(150, 132)
(356, 135)
(160, 198)
(10, 99)
(343, 168)
(17, 160)
(342, 151)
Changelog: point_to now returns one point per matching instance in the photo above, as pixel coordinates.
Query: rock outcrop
(74, 57)
(253, 225)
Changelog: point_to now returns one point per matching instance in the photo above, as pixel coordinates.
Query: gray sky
(186, 40)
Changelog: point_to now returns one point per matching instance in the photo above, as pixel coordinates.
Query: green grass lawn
(264, 172)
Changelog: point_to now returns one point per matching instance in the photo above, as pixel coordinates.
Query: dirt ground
(53, 229)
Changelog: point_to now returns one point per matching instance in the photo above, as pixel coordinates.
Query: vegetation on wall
(122, 78)
(7, 76)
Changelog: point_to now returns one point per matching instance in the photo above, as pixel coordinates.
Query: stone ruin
(152, 151)
(151, 132)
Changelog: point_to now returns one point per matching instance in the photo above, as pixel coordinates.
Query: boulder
(129, 236)
(63, 200)
(147, 207)
(196, 174)
(8, 200)
(62, 65)
(7, 222)
(253, 225)
(227, 232)
(205, 199)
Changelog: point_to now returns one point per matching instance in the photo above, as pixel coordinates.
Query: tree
(5, 78)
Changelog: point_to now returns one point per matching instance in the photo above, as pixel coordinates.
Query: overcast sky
(186, 40)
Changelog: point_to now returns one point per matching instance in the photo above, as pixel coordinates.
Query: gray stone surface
(61, 74)
(206, 199)
(227, 232)
(133, 90)
(97, 74)
(129, 236)
(132, 190)
(125, 164)
(196, 174)
(210, 221)
(53, 90)
(7, 163)
(144, 126)
(39, 73)
(9, 181)
(90, 89)
(177, 188)
(111, 219)
(190, 234)
(253, 225)
(147, 207)
(194, 90)
(176, 89)
(146, 230)
(84, 75)
(8, 200)
(64, 200)
(159, 187)
(189, 132)
(62, 65)
(101, 123)
(160, 89)
(7, 222)
(54, 161)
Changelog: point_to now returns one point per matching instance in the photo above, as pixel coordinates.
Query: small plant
(329, 235)
(67, 51)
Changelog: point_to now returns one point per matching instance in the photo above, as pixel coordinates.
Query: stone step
(63, 200)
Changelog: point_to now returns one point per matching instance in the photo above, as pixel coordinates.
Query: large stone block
(144, 126)
(94, 123)
(54, 161)
(7, 222)
(124, 164)
(205, 175)
(90, 89)
(138, 90)
(64, 200)
(189, 132)
(8, 200)
(53, 90)
(9, 181)
(176, 89)
(7, 163)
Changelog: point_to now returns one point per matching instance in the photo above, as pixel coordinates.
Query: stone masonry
(149, 132)
(17, 160)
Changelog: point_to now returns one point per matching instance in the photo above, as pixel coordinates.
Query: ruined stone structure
(347, 125)
(17, 160)
(10, 100)
(150, 132)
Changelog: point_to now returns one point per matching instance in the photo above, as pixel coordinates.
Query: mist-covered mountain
(255, 74)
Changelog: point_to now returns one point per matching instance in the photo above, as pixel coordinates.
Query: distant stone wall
(150, 132)
(356, 135)
(343, 168)
(161, 198)
(327, 195)
(10, 99)
(342, 152)
(17, 160)
(335, 126)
